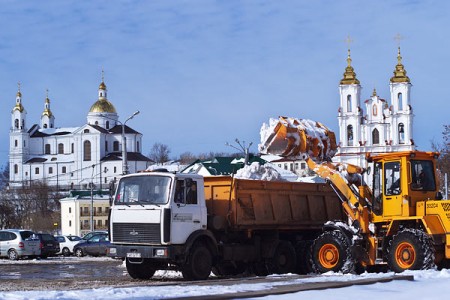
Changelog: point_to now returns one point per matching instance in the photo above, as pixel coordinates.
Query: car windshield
(143, 190)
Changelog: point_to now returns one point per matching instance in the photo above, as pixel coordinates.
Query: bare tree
(444, 159)
(187, 158)
(159, 153)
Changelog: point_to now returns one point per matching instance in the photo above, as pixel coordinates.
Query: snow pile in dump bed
(311, 179)
(256, 171)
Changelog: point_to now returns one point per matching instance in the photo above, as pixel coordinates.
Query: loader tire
(303, 251)
(331, 251)
(142, 271)
(199, 263)
(410, 249)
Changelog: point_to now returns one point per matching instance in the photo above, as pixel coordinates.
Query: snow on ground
(430, 284)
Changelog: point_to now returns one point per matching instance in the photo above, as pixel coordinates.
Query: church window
(16, 169)
(375, 110)
(47, 149)
(115, 169)
(36, 171)
(116, 146)
(64, 170)
(107, 124)
(350, 135)
(23, 124)
(72, 148)
(24, 143)
(349, 103)
(50, 170)
(16, 143)
(87, 151)
(45, 125)
(51, 125)
(401, 133)
(400, 101)
(60, 148)
(96, 122)
(86, 131)
(106, 146)
(16, 123)
(375, 137)
(137, 147)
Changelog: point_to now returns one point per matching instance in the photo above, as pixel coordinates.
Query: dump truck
(401, 223)
(196, 224)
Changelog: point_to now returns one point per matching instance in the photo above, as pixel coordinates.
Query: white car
(66, 243)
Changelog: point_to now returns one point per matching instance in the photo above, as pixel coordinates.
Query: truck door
(187, 211)
(392, 198)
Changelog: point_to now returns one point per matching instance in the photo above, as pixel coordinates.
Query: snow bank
(256, 171)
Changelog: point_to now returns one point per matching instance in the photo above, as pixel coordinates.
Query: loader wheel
(199, 263)
(410, 249)
(284, 259)
(303, 251)
(144, 270)
(331, 251)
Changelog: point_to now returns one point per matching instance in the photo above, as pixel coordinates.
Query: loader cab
(400, 180)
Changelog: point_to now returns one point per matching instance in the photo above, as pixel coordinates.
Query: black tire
(143, 271)
(283, 260)
(199, 263)
(229, 268)
(410, 249)
(13, 255)
(331, 251)
(79, 252)
(65, 251)
(304, 257)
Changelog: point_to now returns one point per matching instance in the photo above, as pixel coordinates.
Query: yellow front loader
(402, 222)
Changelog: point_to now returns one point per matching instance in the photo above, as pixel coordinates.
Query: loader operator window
(422, 175)
(142, 190)
(392, 178)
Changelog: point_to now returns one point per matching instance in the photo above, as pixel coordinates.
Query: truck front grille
(136, 233)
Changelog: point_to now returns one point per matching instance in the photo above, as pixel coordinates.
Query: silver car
(17, 243)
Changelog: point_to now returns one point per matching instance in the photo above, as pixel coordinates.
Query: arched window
(45, 125)
(87, 151)
(16, 143)
(374, 110)
(349, 103)
(86, 131)
(137, 147)
(96, 122)
(401, 133)
(106, 146)
(16, 123)
(116, 146)
(72, 148)
(375, 137)
(350, 135)
(400, 101)
(60, 148)
(107, 124)
(47, 149)
(23, 124)
(16, 169)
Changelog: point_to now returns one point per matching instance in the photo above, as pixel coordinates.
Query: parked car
(87, 236)
(66, 243)
(16, 243)
(48, 244)
(97, 245)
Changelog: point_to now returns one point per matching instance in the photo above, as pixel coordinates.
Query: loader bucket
(291, 137)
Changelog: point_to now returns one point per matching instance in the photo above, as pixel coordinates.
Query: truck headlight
(160, 252)
(112, 251)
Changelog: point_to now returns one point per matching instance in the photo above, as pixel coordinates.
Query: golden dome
(18, 107)
(102, 86)
(19, 94)
(103, 106)
(349, 74)
(399, 72)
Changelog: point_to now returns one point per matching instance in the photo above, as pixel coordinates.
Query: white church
(72, 157)
(379, 126)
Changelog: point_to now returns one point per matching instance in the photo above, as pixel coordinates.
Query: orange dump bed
(256, 204)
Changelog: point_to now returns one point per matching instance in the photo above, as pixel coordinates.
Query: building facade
(379, 126)
(72, 157)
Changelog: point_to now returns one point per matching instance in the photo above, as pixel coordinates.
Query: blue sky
(206, 72)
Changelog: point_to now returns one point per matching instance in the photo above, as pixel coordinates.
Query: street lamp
(242, 147)
(124, 144)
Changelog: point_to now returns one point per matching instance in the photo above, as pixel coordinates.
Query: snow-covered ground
(430, 284)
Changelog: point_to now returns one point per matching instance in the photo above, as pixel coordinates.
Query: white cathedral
(380, 127)
(72, 157)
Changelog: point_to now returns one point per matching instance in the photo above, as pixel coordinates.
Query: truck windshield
(143, 190)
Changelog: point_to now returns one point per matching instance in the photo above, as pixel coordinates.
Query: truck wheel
(410, 249)
(260, 268)
(199, 263)
(12, 254)
(229, 268)
(303, 251)
(284, 259)
(331, 251)
(142, 271)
